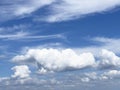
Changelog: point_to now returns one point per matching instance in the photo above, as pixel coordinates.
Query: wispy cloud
(100, 43)
(26, 36)
(61, 10)
(23, 32)
(14, 8)
(69, 9)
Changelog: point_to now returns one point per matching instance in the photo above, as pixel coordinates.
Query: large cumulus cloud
(56, 60)
(67, 59)
(108, 59)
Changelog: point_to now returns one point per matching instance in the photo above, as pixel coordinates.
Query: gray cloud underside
(66, 68)
(66, 81)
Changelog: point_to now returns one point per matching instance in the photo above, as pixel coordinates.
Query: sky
(59, 44)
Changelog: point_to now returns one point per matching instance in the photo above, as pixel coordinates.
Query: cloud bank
(67, 59)
(56, 60)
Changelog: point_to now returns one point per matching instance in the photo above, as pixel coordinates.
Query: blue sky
(55, 44)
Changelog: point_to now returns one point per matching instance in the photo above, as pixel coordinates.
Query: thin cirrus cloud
(22, 32)
(111, 44)
(14, 8)
(27, 36)
(62, 10)
(72, 9)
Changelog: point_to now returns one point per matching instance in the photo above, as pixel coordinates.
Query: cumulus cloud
(67, 59)
(72, 9)
(111, 74)
(56, 60)
(21, 71)
(108, 59)
(104, 75)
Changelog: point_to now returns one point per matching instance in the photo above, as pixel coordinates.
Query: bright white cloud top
(67, 59)
(56, 60)
(21, 71)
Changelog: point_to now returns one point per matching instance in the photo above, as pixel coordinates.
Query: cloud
(15, 8)
(108, 59)
(104, 75)
(31, 6)
(21, 71)
(57, 11)
(111, 44)
(112, 73)
(25, 36)
(25, 33)
(56, 60)
(71, 9)
(48, 60)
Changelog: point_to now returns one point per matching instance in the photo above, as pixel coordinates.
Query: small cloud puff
(21, 71)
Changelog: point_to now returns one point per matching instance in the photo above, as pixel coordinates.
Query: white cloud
(27, 36)
(112, 73)
(108, 43)
(72, 9)
(56, 60)
(111, 44)
(14, 8)
(21, 71)
(104, 75)
(61, 10)
(86, 79)
(23, 32)
(91, 75)
(31, 6)
(67, 59)
(108, 59)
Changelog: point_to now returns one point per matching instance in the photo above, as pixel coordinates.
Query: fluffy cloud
(72, 9)
(21, 71)
(56, 60)
(67, 59)
(108, 59)
(105, 75)
(112, 73)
